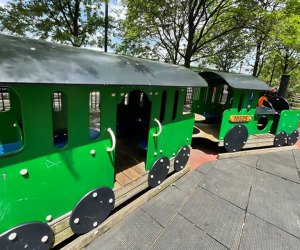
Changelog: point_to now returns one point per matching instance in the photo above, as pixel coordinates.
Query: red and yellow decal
(240, 118)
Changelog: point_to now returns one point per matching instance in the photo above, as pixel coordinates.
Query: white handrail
(113, 138)
(159, 126)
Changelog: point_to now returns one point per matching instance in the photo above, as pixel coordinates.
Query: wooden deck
(206, 131)
(256, 141)
(211, 132)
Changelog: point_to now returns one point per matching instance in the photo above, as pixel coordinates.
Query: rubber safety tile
(285, 188)
(206, 167)
(236, 170)
(227, 187)
(182, 234)
(164, 206)
(279, 164)
(258, 234)
(276, 209)
(218, 218)
(188, 182)
(249, 160)
(137, 231)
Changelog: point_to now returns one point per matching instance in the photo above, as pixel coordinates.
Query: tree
(76, 22)
(176, 30)
(285, 54)
(262, 20)
(228, 51)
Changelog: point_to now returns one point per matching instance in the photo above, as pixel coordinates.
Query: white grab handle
(159, 126)
(113, 138)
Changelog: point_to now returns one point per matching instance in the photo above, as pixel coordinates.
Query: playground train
(82, 131)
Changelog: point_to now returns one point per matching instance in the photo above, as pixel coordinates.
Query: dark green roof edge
(237, 81)
(28, 61)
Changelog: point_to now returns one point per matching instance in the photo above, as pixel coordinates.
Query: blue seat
(61, 140)
(10, 147)
(94, 134)
(208, 115)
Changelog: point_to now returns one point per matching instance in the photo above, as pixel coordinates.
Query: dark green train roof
(237, 81)
(30, 61)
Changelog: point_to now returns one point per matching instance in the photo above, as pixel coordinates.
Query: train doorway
(133, 121)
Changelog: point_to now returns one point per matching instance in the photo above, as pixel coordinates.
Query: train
(83, 131)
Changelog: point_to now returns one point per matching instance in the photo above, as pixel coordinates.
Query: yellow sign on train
(240, 118)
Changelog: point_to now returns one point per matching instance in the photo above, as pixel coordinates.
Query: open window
(11, 129)
(94, 103)
(59, 119)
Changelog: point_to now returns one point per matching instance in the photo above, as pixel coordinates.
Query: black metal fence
(95, 101)
(4, 99)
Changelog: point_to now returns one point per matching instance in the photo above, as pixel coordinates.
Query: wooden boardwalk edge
(85, 239)
(255, 152)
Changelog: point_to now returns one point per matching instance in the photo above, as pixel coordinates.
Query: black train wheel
(92, 210)
(280, 139)
(32, 235)
(182, 158)
(293, 138)
(159, 172)
(236, 138)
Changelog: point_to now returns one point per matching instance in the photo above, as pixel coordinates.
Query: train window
(56, 101)
(262, 123)
(11, 129)
(126, 99)
(4, 99)
(188, 100)
(213, 97)
(59, 119)
(95, 114)
(175, 105)
(141, 99)
(163, 106)
(224, 95)
(251, 95)
(241, 102)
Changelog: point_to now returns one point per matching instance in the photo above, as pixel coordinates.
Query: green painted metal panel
(247, 107)
(57, 178)
(288, 121)
(175, 133)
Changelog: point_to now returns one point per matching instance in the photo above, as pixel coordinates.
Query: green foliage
(76, 22)
(175, 30)
(284, 54)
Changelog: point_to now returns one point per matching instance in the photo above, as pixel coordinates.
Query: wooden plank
(207, 131)
(117, 186)
(60, 237)
(85, 239)
(199, 118)
(130, 186)
(256, 140)
(122, 178)
(133, 175)
(140, 168)
(132, 192)
(255, 152)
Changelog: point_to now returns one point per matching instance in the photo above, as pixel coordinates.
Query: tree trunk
(187, 60)
(257, 59)
(273, 71)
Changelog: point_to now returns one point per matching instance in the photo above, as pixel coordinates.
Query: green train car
(72, 122)
(231, 116)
